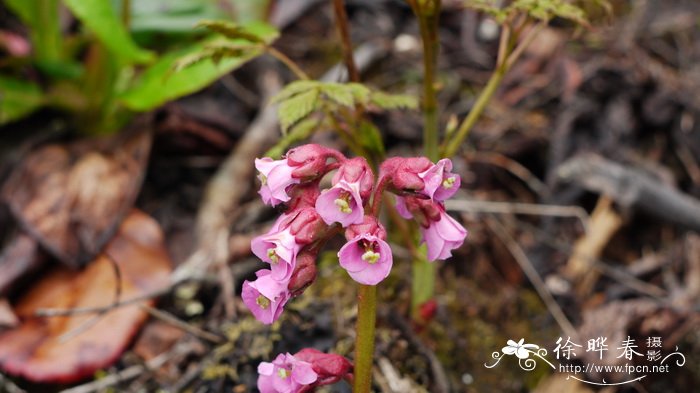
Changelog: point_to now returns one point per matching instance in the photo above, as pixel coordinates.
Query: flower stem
(428, 14)
(364, 341)
(341, 18)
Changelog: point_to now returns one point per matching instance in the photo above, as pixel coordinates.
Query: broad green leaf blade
(18, 99)
(100, 17)
(160, 83)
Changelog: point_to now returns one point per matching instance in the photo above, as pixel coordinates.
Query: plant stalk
(476, 111)
(341, 18)
(364, 341)
(507, 55)
(428, 14)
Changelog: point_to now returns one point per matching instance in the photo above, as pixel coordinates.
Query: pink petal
(402, 209)
(303, 373)
(350, 256)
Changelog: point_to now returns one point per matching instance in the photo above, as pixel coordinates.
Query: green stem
(476, 111)
(428, 14)
(428, 18)
(287, 61)
(47, 33)
(507, 55)
(364, 342)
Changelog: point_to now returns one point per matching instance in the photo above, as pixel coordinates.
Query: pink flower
(439, 182)
(279, 248)
(286, 374)
(367, 259)
(265, 297)
(352, 186)
(341, 203)
(442, 236)
(276, 177)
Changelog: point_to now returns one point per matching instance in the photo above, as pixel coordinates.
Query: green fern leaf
(296, 108)
(393, 101)
(338, 92)
(293, 89)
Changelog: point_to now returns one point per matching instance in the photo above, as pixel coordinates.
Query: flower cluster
(313, 216)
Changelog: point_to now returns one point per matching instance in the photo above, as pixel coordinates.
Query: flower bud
(330, 368)
(309, 161)
(370, 226)
(356, 170)
(306, 225)
(304, 273)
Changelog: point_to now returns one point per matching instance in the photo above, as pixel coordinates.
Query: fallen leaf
(38, 349)
(71, 198)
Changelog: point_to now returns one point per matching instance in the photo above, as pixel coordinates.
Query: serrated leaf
(548, 9)
(490, 7)
(370, 138)
(338, 92)
(293, 89)
(18, 98)
(296, 108)
(393, 101)
(360, 92)
(100, 17)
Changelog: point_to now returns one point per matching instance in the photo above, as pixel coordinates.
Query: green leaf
(18, 98)
(231, 30)
(100, 17)
(160, 83)
(293, 89)
(393, 101)
(26, 10)
(183, 72)
(491, 7)
(296, 108)
(338, 92)
(215, 52)
(370, 138)
(548, 9)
